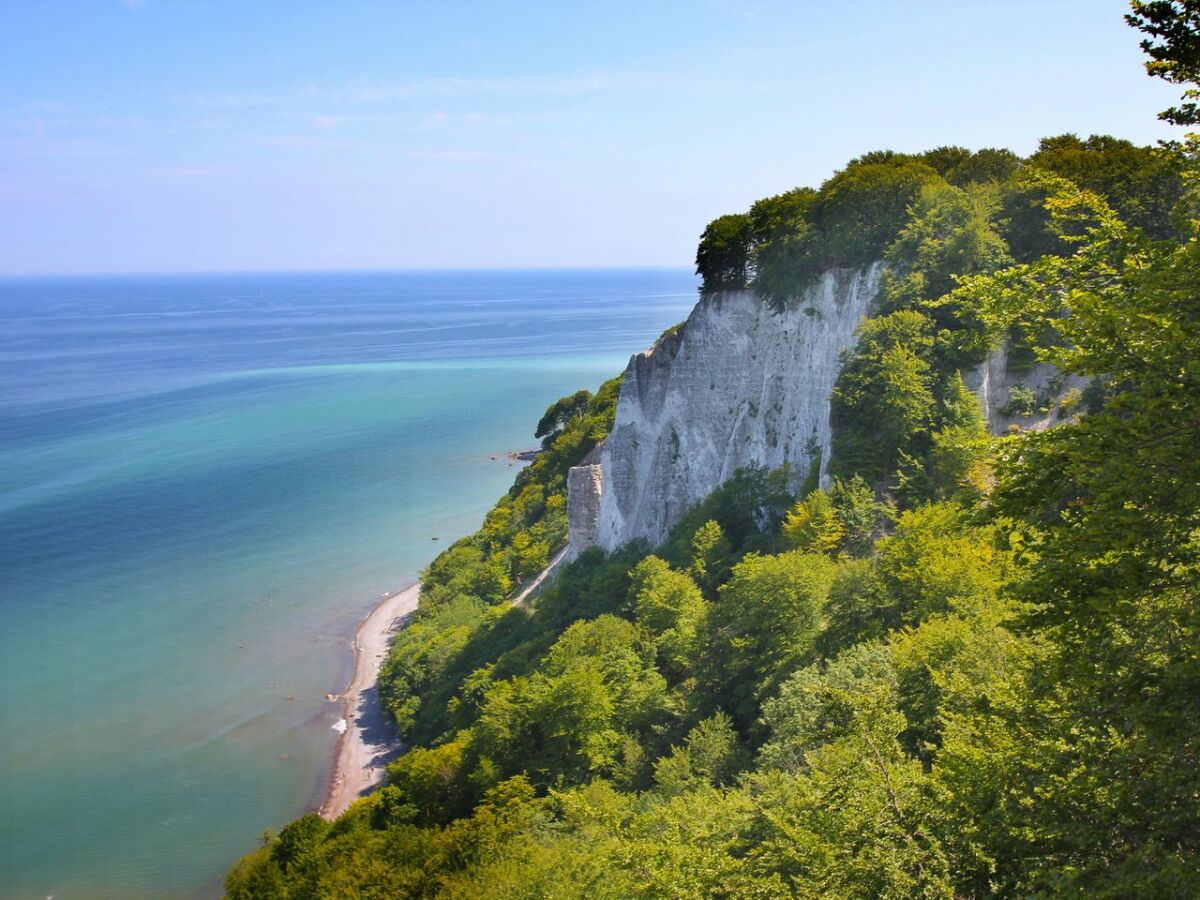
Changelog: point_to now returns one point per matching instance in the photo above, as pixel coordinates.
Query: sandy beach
(368, 741)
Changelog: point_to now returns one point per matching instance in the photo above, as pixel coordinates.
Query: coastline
(368, 741)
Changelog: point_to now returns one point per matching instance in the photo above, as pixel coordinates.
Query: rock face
(993, 382)
(585, 486)
(735, 386)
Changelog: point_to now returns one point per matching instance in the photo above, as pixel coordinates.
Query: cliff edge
(736, 385)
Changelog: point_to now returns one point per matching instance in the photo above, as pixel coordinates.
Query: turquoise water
(204, 484)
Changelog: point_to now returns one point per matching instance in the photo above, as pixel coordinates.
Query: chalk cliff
(993, 382)
(735, 386)
(584, 489)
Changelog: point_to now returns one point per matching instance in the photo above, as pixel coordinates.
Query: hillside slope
(968, 665)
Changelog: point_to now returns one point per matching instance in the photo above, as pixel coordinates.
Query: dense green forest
(970, 666)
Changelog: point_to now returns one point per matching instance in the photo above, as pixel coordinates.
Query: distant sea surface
(205, 482)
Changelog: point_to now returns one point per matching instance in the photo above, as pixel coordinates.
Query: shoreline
(368, 741)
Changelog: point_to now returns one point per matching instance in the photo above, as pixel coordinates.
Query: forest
(969, 665)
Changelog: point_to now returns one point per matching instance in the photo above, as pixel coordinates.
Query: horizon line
(370, 270)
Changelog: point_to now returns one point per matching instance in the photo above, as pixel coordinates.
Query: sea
(205, 483)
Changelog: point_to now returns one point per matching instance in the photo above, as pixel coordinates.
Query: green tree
(1112, 509)
(935, 563)
(952, 665)
(884, 398)
(813, 524)
(711, 755)
(1142, 184)
(432, 782)
(786, 246)
(851, 814)
(981, 167)
(764, 625)
(862, 208)
(960, 460)
(710, 555)
(949, 234)
(858, 608)
(821, 703)
(670, 606)
(560, 413)
(1173, 45)
(860, 515)
(723, 257)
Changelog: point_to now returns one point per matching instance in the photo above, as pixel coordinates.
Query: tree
(709, 562)
(1142, 184)
(982, 166)
(1173, 45)
(710, 755)
(785, 246)
(960, 459)
(862, 208)
(933, 563)
(858, 608)
(723, 257)
(848, 222)
(670, 606)
(949, 234)
(819, 704)
(764, 625)
(850, 814)
(812, 524)
(884, 398)
(1111, 508)
(432, 782)
(860, 515)
(560, 413)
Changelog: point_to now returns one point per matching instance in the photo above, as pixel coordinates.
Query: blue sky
(166, 135)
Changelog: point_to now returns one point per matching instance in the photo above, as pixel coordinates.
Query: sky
(173, 136)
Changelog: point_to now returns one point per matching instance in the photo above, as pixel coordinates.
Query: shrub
(1021, 401)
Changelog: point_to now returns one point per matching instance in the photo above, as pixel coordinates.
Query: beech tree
(723, 256)
(1173, 45)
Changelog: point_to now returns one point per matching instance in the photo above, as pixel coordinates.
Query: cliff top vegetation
(991, 198)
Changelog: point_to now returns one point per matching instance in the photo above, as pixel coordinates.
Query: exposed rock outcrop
(585, 485)
(736, 386)
(993, 382)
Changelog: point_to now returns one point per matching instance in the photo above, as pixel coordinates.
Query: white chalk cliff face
(736, 386)
(992, 383)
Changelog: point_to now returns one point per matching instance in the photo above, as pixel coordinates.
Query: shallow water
(204, 484)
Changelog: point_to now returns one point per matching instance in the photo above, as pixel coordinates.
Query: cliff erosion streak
(737, 385)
